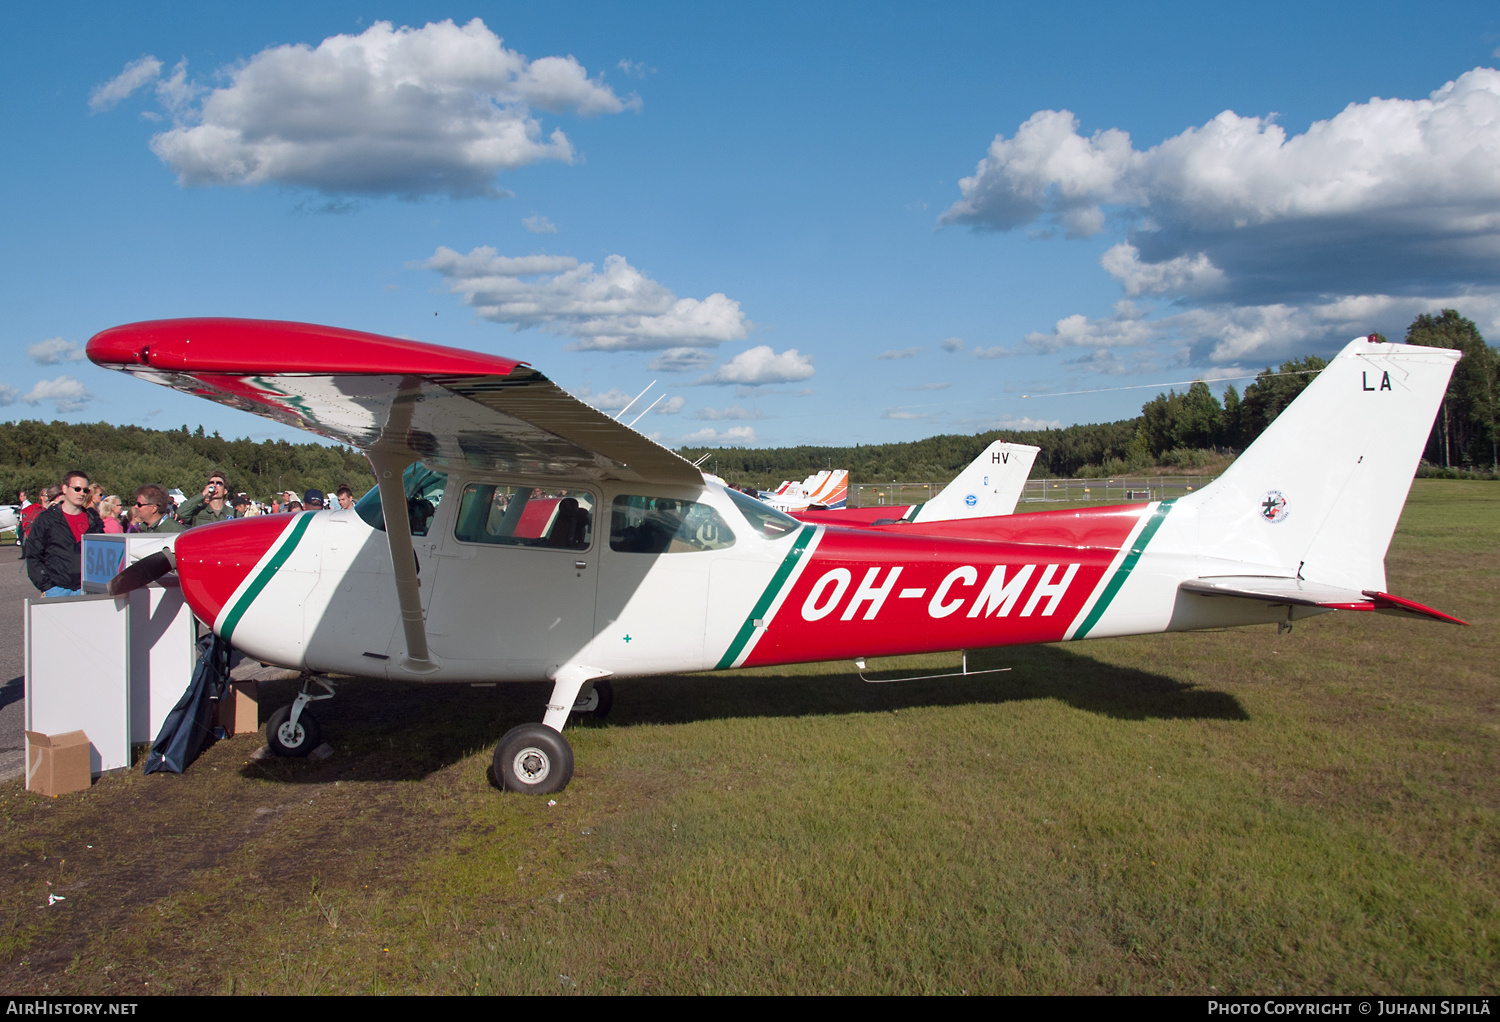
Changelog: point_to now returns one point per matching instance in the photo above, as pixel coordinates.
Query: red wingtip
(251, 346)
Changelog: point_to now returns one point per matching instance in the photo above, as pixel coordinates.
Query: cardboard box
(239, 710)
(57, 763)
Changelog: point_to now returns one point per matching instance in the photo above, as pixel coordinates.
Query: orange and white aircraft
(827, 490)
(516, 534)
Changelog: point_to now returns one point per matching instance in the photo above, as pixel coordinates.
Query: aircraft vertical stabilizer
(1318, 494)
(988, 487)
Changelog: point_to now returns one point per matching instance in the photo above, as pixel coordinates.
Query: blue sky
(829, 223)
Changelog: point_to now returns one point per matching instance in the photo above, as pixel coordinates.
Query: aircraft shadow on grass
(385, 731)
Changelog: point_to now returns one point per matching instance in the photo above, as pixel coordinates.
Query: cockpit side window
(424, 491)
(666, 525)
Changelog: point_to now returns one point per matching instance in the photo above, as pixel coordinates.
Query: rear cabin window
(665, 525)
(525, 516)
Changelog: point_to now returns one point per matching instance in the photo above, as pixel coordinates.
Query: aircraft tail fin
(1318, 494)
(988, 487)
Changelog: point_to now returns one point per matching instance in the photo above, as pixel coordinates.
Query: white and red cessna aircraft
(534, 537)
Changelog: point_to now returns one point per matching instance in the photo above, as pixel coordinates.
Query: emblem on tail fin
(1273, 507)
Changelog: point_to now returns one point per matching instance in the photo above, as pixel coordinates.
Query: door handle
(580, 565)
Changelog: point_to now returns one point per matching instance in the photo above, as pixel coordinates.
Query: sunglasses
(147, 504)
(76, 489)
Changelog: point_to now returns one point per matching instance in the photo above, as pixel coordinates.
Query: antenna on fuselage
(633, 400)
(701, 460)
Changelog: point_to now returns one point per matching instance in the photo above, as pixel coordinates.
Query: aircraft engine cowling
(247, 578)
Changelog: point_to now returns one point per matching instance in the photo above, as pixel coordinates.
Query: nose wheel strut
(291, 730)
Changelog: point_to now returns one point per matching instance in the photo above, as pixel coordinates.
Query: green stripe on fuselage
(762, 605)
(1123, 572)
(264, 578)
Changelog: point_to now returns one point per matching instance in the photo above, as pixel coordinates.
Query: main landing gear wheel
(292, 740)
(598, 702)
(533, 758)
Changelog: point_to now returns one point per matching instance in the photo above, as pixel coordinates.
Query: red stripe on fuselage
(1009, 581)
(212, 560)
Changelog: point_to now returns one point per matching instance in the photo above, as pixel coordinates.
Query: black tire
(599, 703)
(534, 759)
(293, 743)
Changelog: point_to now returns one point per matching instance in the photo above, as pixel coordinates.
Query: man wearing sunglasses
(152, 511)
(54, 546)
(209, 506)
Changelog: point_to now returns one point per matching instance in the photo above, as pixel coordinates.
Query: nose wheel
(292, 738)
(292, 731)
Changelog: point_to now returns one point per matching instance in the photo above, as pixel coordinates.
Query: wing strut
(389, 456)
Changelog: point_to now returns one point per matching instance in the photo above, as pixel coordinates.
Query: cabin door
(514, 586)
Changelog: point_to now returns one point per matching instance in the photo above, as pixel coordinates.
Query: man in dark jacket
(54, 546)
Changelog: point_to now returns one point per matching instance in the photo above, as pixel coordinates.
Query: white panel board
(162, 656)
(77, 673)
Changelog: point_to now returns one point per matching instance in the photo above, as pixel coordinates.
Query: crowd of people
(51, 530)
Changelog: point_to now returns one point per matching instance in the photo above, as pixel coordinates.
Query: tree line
(1173, 430)
(35, 454)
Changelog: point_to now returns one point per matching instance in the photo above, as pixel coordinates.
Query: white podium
(112, 667)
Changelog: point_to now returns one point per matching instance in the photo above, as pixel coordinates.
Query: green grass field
(1236, 811)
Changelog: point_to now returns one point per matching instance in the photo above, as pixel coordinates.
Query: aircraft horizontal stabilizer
(1301, 593)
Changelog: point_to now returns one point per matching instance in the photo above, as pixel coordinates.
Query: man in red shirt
(54, 544)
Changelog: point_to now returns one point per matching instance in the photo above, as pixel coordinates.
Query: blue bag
(190, 725)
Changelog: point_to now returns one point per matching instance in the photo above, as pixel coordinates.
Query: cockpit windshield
(424, 491)
(766, 520)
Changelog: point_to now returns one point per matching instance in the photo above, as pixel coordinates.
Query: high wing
(443, 406)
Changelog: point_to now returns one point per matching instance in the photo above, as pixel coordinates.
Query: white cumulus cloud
(136, 74)
(1396, 193)
(54, 351)
(610, 401)
(672, 405)
(614, 309)
(1285, 242)
(733, 436)
(760, 365)
(681, 360)
(437, 110)
(732, 412)
(538, 224)
(66, 394)
(886, 356)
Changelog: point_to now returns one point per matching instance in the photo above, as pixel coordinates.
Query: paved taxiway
(14, 588)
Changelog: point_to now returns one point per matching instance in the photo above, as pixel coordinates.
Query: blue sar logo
(971, 500)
